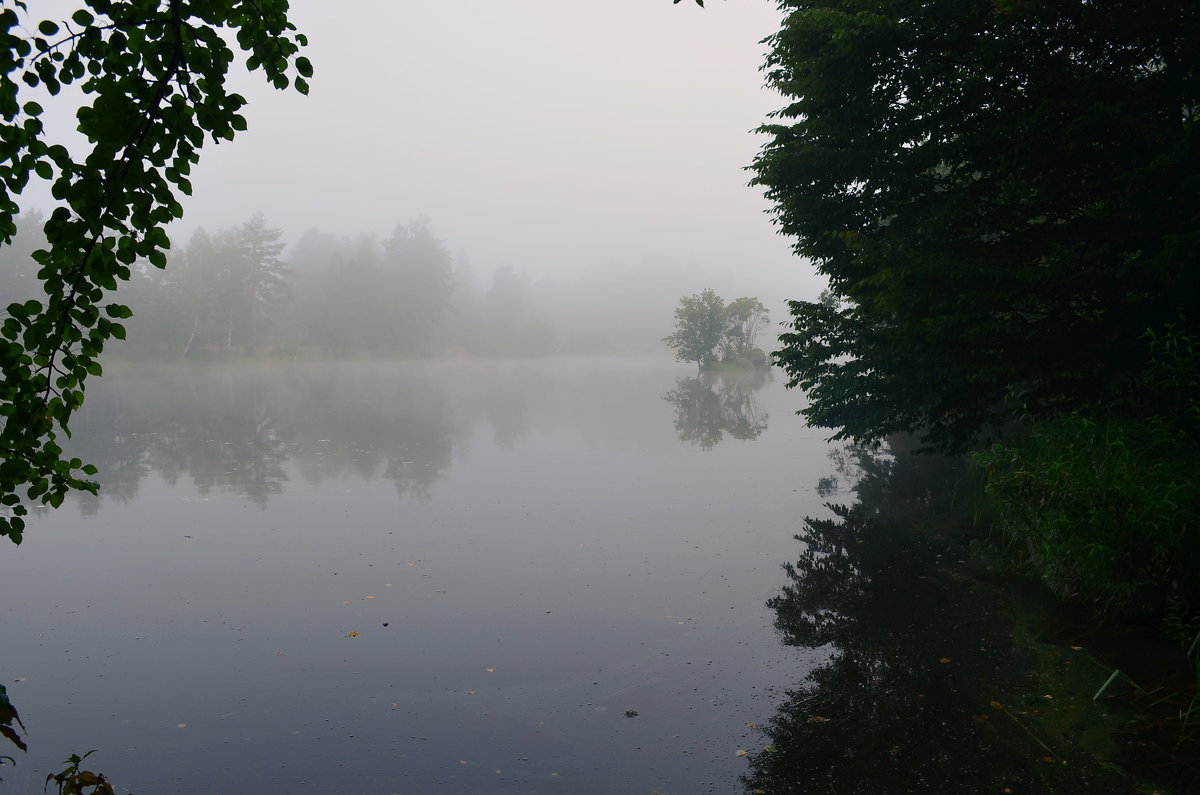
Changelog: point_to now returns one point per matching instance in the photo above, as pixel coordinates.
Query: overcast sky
(553, 135)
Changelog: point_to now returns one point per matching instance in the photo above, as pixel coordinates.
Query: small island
(719, 336)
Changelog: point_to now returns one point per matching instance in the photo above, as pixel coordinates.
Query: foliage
(704, 325)
(221, 290)
(153, 75)
(1106, 509)
(370, 295)
(73, 781)
(744, 318)
(699, 327)
(1002, 196)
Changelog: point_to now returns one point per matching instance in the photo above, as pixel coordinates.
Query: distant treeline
(244, 290)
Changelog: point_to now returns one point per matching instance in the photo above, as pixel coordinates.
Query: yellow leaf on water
(351, 634)
(944, 659)
(368, 597)
(490, 670)
(743, 752)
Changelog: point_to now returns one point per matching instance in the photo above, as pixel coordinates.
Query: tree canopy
(1003, 196)
(153, 76)
(705, 326)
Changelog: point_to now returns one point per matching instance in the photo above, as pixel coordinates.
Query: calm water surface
(386, 578)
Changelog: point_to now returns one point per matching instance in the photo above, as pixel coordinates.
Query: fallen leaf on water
(180, 725)
(472, 692)
(1076, 648)
(368, 597)
(490, 670)
(345, 603)
(818, 719)
(1048, 759)
(743, 752)
(944, 659)
(997, 705)
(351, 634)
(751, 724)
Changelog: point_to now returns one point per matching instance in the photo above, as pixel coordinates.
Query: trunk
(192, 337)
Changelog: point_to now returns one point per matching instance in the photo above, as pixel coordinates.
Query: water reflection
(709, 406)
(9, 717)
(572, 561)
(915, 693)
(237, 429)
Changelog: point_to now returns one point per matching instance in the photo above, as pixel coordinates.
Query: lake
(381, 577)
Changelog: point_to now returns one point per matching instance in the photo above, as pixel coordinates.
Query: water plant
(74, 781)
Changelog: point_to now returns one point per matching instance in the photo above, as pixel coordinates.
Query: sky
(556, 136)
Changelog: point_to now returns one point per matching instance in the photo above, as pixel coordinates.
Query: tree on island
(706, 325)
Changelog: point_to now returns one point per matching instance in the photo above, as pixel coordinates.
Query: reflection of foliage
(406, 437)
(8, 714)
(235, 429)
(920, 665)
(707, 408)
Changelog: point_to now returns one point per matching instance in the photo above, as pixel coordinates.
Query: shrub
(1105, 509)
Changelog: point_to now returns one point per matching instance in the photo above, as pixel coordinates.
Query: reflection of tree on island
(709, 406)
(919, 661)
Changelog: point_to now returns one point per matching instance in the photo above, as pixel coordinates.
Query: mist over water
(381, 577)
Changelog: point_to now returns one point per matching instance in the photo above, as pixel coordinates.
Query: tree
(153, 73)
(418, 282)
(745, 317)
(704, 325)
(1002, 196)
(699, 328)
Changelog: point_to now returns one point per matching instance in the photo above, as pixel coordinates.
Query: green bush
(1105, 509)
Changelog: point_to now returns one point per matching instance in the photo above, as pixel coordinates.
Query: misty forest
(801, 396)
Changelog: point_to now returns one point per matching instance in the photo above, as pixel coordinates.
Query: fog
(596, 150)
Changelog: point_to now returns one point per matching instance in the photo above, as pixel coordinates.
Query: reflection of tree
(917, 659)
(236, 428)
(398, 430)
(708, 407)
